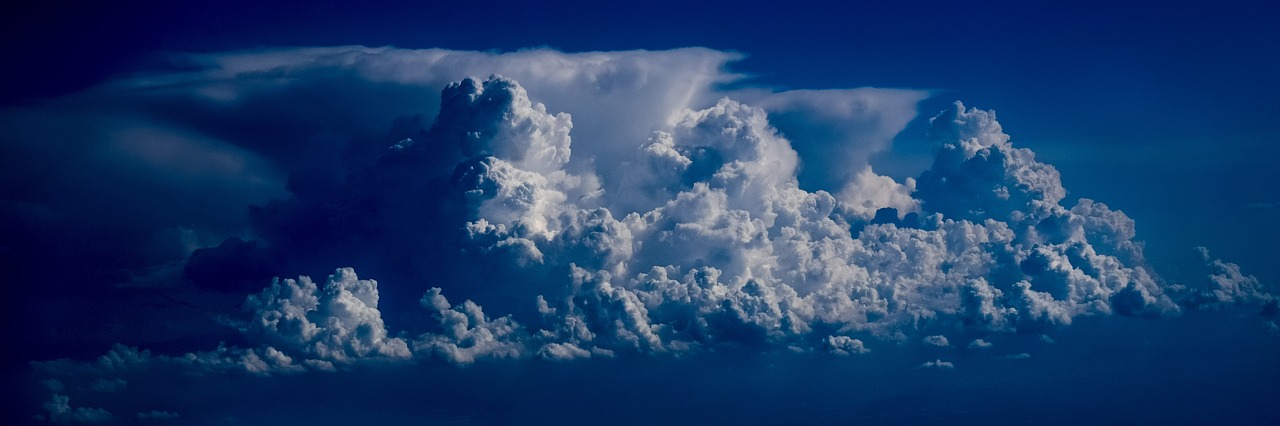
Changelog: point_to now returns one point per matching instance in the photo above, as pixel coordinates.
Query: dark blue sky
(1165, 111)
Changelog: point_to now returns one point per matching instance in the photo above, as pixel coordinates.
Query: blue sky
(168, 160)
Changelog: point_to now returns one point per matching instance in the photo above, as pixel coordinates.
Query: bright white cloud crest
(640, 209)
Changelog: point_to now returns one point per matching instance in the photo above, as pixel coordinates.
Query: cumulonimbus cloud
(685, 228)
(269, 122)
(721, 246)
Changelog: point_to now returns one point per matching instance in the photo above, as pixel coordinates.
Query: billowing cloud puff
(495, 118)
(979, 174)
(338, 323)
(468, 333)
(1228, 286)
(844, 345)
(866, 192)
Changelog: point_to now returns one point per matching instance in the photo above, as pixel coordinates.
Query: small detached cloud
(1227, 286)
(979, 344)
(938, 365)
(936, 340)
(157, 415)
(844, 345)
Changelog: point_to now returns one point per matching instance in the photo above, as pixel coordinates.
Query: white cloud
(1227, 285)
(844, 345)
(936, 340)
(496, 118)
(598, 313)
(938, 365)
(338, 324)
(562, 352)
(468, 334)
(866, 192)
(979, 174)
